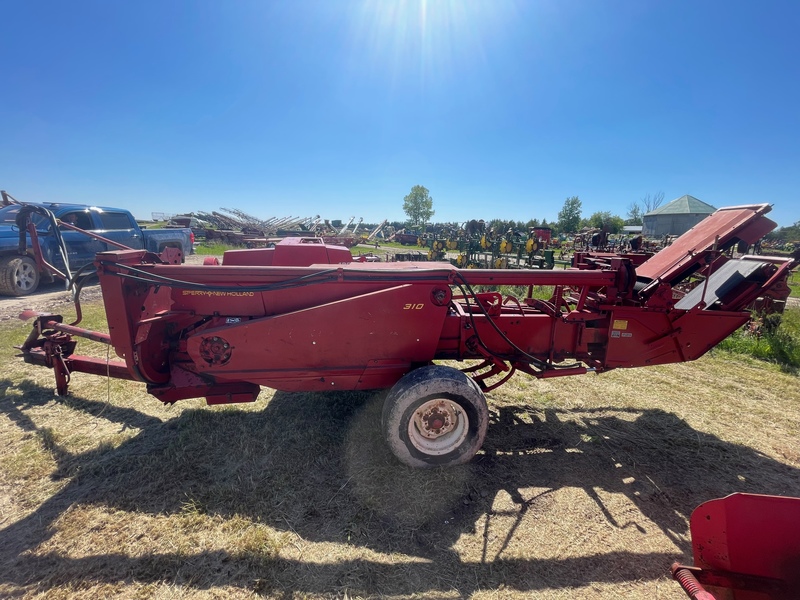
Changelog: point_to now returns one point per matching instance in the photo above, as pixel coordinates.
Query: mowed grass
(794, 284)
(583, 489)
(213, 248)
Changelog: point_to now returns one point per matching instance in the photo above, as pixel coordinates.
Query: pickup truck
(19, 273)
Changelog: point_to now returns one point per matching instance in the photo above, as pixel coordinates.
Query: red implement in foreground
(303, 317)
(745, 547)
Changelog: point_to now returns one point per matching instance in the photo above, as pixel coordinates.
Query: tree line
(789, 234)
(418, 206)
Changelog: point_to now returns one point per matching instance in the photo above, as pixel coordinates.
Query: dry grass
(583, 489)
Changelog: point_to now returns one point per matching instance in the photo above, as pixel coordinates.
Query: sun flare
(426, 39)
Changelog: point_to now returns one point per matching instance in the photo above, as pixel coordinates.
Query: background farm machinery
(474, 246)
(236, 228)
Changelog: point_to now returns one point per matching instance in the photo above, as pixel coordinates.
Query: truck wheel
(435, 416)
(18, 276)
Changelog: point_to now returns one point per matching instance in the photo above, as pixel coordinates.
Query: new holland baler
(303, 316)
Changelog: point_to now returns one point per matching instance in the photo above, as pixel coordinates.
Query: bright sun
(426, 38)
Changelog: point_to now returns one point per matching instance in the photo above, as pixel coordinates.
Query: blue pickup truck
(19, 274)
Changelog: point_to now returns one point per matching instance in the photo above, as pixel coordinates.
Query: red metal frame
(302, 317)
(746, 547)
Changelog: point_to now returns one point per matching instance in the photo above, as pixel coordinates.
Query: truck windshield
(8, 216)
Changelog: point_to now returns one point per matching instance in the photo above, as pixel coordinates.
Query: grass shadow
(315, 465)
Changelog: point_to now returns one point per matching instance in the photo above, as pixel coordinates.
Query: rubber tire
(420, 386)
(11, 268)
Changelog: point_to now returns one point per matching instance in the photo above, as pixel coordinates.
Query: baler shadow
(315, 465)
(286, 577)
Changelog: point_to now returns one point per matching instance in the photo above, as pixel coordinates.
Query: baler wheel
(435, 416)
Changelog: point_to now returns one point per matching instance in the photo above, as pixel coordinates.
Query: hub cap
(26, 276)
(438, 426)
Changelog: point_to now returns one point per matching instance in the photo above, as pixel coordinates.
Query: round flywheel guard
(215, 350)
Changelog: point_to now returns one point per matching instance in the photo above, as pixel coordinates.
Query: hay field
(583, 489)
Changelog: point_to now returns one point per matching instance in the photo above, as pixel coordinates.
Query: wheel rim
(438, 426)
(26, 276)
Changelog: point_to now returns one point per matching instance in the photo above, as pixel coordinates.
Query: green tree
(569, 217)
(606, 221)
(532, 223)
(787, 234)
(617, 224)
(634, 214)
(418, 205)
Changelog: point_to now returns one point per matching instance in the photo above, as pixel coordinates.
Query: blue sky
(502, 109)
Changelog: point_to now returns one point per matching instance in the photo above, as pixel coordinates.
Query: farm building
(675, 218)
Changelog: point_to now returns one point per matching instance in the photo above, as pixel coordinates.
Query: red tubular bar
(82, 364)
(45, 323)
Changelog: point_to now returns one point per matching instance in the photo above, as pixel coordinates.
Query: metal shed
(675, 218)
